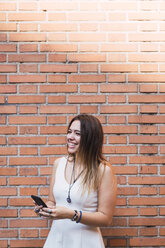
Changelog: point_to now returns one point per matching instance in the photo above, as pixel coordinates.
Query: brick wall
(62, 58)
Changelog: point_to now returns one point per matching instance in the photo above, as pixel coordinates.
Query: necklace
(68, 199)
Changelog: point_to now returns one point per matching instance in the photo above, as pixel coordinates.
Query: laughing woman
(82, 192)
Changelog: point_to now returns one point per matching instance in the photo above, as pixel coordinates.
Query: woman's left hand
(58, 212)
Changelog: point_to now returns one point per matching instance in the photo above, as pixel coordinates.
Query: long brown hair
(90, 149)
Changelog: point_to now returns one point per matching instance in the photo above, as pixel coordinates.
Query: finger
(47, 210)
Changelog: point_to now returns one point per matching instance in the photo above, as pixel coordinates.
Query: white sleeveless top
(66, 233)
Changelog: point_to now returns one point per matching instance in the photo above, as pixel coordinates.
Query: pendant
(68, 199)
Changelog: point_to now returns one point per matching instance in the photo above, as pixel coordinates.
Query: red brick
(146, 139)
(148, 211)
(88, 109)
(56, 78)
(4, 243)
(118, 109)
(116, 99)
(3, 37)
(88, 68)
(86, 78)
(57, 58)
(27, 120)
(29, 233)
(27, 243)
(148, 129)
(60, 150)
(3, 79)
(28, 109)
(28, 48)
(5, 233)
(7, 89)
(148, 88)
(147, 78)
(55, 140)
(58, 48)
(58, 68)
(5, 6)
(8, 68)
(59, 27)
(120, 149)
(58, 109)
(57, 37)
(26, 58)
(119, 68)
(147, 242)
(148, 149)
(57, 119)
(88, 47)
(117, 119)
(53, 130)
(146, 99)
(30, 5)
(59, 16)
(117, 140)
(8, 47)
(2, 99)
(119, 232)
(56, 99)
(9, 213)
(26, 99)
(2, 140)
(28, 27)
(25, 181)
(128, 191)
(8, 109)
(27, 161)
(28, 130)
(3, 58)
(116, 88)
(60, 88)
(148, 170)
(8, 27)
(120, 129)
(146, 180)
(27, 37)
(124, 170)
(25, 223)
(6, 191)
(34, 140)
(8, 151)
(87, 99)
(146, 119)
(27, 79)
(28, 172)
(27, 89)
(149, 231)
(33, 16)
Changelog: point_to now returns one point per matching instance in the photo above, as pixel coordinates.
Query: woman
(82, 191)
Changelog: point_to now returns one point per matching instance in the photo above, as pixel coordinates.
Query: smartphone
(39, 201)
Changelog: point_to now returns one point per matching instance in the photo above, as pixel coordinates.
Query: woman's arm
(51, 200)
(106, 201)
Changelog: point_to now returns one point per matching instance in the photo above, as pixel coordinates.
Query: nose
(71, 135)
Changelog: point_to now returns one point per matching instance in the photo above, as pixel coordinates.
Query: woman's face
(73, 137)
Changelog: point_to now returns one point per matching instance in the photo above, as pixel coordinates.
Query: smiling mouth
(71, 145)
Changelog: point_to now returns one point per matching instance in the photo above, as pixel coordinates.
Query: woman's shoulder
(106, 167)
(58, 161)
